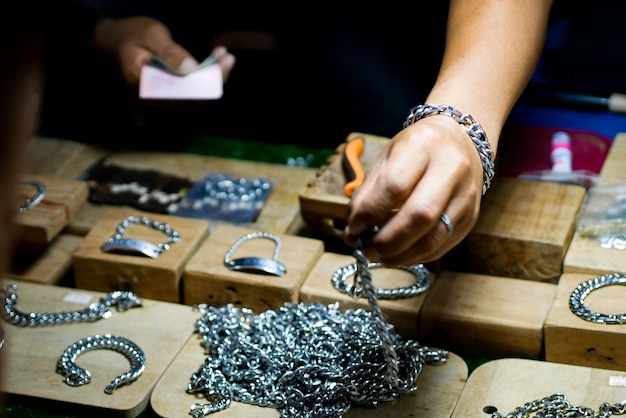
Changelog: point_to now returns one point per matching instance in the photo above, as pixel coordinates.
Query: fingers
(428, 169)
(225, 60)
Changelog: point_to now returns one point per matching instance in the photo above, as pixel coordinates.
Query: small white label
(79, 298)
(617, 381)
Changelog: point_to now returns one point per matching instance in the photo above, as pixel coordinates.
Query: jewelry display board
(402, 313)
(30, 353)
(505, 384)
(438, 389)
(573, 340)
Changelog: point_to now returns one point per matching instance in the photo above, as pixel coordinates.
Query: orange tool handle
(352, 166)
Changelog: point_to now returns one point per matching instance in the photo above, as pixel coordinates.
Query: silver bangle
(577, 304)
(469, 124)
(257, 265)
(118, 244)
(37, 197)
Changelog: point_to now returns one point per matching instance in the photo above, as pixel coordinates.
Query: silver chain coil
(78, 376)
(577, 299)
(469, 124)
(419, 272)
(306, 359)
(557, 405)
(123, 300)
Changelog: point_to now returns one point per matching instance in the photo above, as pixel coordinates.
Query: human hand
(133, 40)
(428, 169)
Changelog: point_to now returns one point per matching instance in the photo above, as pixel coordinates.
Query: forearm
(492, 49)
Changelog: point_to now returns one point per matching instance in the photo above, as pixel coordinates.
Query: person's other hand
(428, 169)
(133, 40)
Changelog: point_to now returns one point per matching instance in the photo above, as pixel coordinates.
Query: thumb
(177, 57)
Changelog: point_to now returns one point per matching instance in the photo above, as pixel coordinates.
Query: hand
(132, 41)
(429, 168)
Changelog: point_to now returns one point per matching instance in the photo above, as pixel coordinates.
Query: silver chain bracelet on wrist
(123, 300)
(577, 298)
(258, 265)
(118, 244)
(77, 376)
(469, 124)
(419, 272)
(37, 197)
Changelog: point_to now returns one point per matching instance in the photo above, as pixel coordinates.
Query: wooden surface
(48, 266)
(507, 384)
(207, 280)
(157, 278)
(439, 387)
(42, 223)
(402, 313)
(524, 229)
(486, 316)
(30, 355)
(573, 340)
(585, 255)
(323, 204)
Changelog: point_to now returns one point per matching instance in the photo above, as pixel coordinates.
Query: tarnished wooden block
(524, 229)
(208, 280)
(573, 340)
(402, 313)
(154, 278)
(486, 316)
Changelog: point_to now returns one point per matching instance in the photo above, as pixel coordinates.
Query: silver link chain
(123, 300)
(306, 359)
(557, 406)
(172, 235)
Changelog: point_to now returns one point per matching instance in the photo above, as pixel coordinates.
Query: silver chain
(470, 125)
(78, 376)
(577, 298)
(557, 406)
(123, 300)
(307, 359)
(253, 235)
(37, 197)
(419, 272)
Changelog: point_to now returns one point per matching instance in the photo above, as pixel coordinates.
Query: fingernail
(188, 65)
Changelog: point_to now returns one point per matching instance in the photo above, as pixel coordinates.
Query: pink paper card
(205, 83)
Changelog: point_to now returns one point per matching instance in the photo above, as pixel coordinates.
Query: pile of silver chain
(123, 300)
(557, 406)
(306, 359)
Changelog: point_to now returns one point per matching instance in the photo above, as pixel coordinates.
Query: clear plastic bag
(603, 216)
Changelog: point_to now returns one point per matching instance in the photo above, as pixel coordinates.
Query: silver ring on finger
(447, 223)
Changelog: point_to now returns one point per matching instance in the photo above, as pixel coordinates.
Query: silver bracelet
(37, 197)
(469, 124)
(419, 272)
(577, 304)
(118, 244)
(78, 376)
(258, 265)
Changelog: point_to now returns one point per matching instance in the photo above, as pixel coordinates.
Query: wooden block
(40, 224)
(49, 265)
(157, 278)
(486, 316)
(506, 384)
(524, 229)
(401, 313)
(585, 255)
(323, 204)
(439, 387)
(207, 280)
(61, 158)
(280, 210)
(30, 354)
(573, 340)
